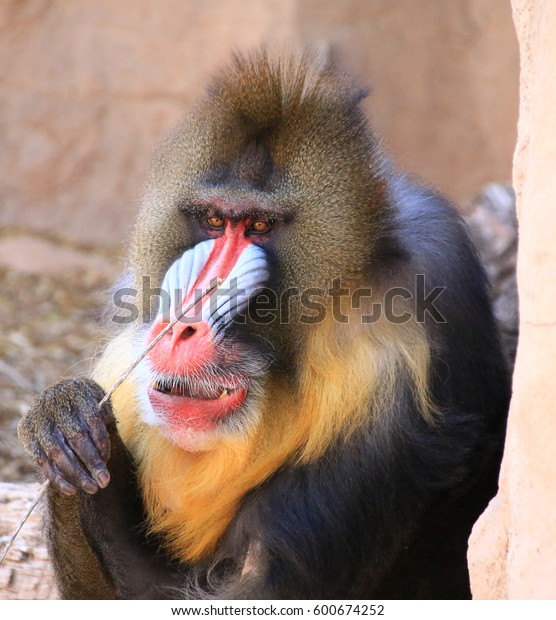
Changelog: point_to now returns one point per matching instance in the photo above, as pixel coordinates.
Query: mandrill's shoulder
(434, 236)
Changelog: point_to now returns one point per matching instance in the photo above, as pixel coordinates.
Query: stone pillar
(513, 546)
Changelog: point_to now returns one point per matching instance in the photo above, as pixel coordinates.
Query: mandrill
(328, 420)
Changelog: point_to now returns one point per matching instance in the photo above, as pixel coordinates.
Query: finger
(83, 445)
(49, 471)
(55, 477)
(86, 416)
(101, 438)
(64, 459)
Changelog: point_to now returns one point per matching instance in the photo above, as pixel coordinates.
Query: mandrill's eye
(260, 227)
(216, 222)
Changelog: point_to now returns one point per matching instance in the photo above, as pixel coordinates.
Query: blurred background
(89, 87)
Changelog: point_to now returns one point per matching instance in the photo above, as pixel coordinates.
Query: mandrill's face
(200, 381)
(283, 208)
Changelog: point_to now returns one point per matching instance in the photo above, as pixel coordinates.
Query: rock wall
(90, 86)
(513, 547)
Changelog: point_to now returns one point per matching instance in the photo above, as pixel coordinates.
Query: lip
(195, 413)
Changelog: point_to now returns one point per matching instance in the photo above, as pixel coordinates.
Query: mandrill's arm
(113, 521)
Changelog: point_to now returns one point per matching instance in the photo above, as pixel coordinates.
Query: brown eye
(260, 227)
(214, 221)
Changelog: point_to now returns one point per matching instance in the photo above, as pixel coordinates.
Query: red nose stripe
(190, 344)
(224, 255)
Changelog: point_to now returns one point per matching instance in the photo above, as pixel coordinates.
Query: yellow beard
(350, 376)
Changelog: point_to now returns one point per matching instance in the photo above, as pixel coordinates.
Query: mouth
(180, 387)
(185, 402)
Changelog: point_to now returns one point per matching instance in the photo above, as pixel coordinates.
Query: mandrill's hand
(67, 435)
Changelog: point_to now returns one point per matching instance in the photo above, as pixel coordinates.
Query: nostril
(184, 333)
(188, 332)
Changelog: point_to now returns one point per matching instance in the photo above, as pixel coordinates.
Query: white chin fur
(147, 413)
(189, 440)
(186, 439)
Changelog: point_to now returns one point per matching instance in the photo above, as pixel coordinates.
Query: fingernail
(67, 489)
(89, 487)
(103, 478)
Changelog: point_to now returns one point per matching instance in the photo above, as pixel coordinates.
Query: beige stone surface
(444, 76)
(88, 87)
(489, 548)
(523, 514)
